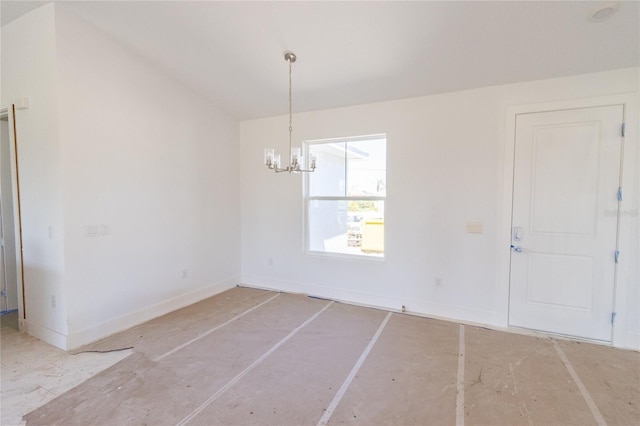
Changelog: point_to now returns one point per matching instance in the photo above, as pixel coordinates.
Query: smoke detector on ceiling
(603, 11)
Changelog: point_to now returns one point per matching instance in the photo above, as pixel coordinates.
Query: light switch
(93, 231)
(474, 228)
(105, 230)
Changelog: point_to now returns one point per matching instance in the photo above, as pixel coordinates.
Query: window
(345, 196)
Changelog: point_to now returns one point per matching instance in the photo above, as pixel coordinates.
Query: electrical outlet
(105, 229)
(185, 273)
(53, 301)
(438, 282)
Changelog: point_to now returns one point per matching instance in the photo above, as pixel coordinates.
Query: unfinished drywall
(445, 167)
(29, 69)
(151, 186)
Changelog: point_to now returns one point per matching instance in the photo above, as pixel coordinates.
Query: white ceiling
(359, 52)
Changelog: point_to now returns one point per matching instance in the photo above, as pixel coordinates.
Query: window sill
(345, 256)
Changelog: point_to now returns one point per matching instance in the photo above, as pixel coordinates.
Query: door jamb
(17, 214)
(624, 273)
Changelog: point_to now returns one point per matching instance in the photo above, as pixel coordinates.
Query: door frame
(621, 337)
(17, 212)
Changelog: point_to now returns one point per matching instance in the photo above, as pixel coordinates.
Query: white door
(564, 223)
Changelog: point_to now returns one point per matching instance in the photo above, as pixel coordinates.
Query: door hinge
(613, 316)
(624, 126)
(617, 256)
(3, 293)
(619, 193)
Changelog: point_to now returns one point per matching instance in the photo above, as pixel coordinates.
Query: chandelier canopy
(273, 161)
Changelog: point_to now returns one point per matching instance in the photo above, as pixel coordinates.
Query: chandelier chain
(290, 108)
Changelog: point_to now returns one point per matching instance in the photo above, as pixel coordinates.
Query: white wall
(445, 166)
(29, 68)
(111, 140)
(630, 231)
(155, 163)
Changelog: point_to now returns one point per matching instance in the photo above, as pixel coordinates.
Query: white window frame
(307, 199)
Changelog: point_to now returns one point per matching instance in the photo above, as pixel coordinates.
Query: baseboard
(115, 325)
(45, 334)
(432, 310)
(633, 341)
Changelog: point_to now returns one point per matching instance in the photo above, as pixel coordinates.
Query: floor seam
(218, 327)
(253, 365)
(460, 380)
(347, 382)
(583, 390)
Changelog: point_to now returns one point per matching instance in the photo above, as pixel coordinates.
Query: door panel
(566, 176)
(565, 179)
(574, 272)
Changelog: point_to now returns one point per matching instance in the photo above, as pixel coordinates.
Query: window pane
(366, 168)
(349, 227)
(329, 178)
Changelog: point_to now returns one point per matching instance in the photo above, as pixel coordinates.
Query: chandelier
(273, 161)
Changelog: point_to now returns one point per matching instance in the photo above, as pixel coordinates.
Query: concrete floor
(249, 357)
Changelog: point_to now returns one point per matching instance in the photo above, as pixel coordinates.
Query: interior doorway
(11, 285)
(564, 242)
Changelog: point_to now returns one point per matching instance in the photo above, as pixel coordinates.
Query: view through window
(345, 196)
